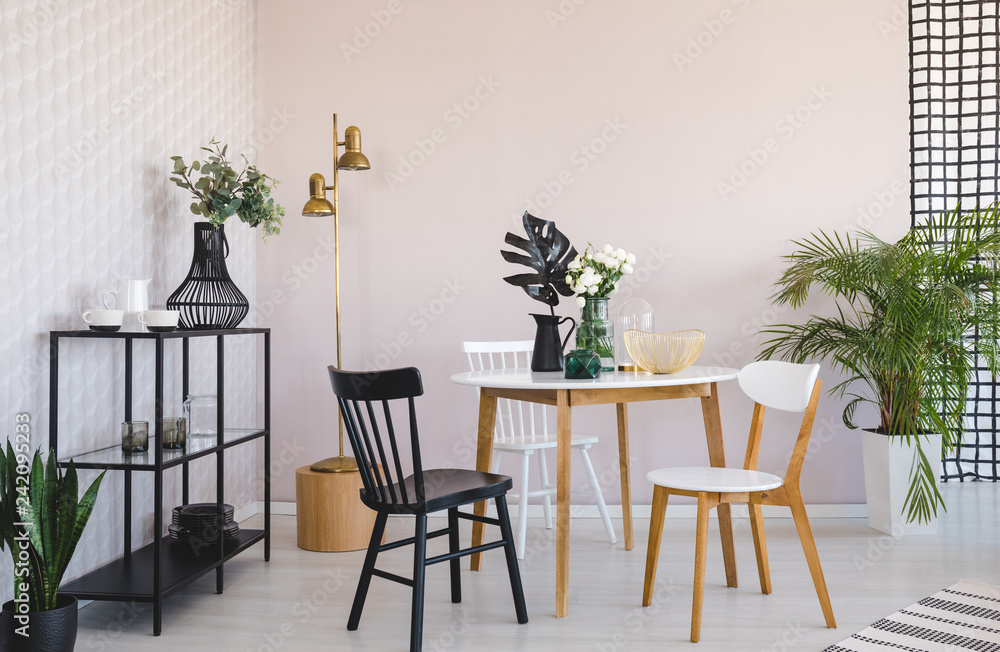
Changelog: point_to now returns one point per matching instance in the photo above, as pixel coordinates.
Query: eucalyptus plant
(42, 516)
(910, 318)
(221, 192)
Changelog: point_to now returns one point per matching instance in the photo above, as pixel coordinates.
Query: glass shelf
(113, 457)
(144, 335)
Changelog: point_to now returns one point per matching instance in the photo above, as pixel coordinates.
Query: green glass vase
(596, 332)
(582, 364)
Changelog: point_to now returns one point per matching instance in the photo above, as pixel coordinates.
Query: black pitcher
(548, 352)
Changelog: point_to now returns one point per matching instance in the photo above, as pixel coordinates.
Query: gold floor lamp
(319, 206)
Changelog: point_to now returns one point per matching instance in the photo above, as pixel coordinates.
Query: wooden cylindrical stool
(330, 516)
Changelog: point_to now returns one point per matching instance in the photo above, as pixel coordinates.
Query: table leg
(484, 451)
(563, 423)
(623, 465)
(717, 456)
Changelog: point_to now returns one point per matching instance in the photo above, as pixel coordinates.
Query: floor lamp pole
(341, 463)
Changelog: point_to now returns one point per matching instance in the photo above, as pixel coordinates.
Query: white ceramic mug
(159, 321)
(104, 320)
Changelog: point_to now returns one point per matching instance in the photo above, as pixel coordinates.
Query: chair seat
(539, 442)
(713, 479)
(443, 489)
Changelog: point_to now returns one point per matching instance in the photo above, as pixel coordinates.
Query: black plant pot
(46, 631)
(208, 298)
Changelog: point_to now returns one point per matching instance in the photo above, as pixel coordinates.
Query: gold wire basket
(664, 353)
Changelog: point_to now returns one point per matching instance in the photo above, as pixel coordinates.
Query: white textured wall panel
(95, 96)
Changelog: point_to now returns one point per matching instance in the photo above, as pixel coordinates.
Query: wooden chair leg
(543, 473)
(366, 571)
(660, 497)
(700, 554)
(812, 556)
(454, 545)
(419, 568)
(595, 487)
(760, 547)
(522, 506)
(512, 569)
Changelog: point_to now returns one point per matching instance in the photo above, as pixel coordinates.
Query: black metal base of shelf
(132, 578)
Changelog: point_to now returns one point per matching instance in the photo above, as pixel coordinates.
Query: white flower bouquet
(596, 273)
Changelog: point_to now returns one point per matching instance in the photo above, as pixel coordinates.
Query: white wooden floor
(300, 600)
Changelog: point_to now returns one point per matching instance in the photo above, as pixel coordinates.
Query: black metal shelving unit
(155, 571)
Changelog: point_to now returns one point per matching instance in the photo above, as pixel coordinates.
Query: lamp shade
(353, 159)
(318, 205)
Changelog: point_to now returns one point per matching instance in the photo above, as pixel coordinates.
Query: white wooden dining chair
(779, 385)
(522, 428)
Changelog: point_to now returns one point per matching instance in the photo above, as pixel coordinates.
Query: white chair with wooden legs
(522, 429)
(779, 385)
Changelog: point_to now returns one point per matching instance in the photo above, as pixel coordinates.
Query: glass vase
(582, 364)
(596, 332)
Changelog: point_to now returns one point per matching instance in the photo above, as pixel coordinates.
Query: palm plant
(41, 516)
(901, 335)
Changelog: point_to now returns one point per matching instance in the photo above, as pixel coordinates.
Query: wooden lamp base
(330, 516)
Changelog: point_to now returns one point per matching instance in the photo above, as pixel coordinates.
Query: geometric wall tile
(95, 98)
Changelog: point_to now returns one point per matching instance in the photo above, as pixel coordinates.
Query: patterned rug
(965, 616)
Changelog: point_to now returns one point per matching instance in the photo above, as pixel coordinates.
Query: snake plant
(41, 520)
(906, 316)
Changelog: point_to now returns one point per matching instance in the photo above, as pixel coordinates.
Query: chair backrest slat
(366, 402)
(514, 419)
(363, 453)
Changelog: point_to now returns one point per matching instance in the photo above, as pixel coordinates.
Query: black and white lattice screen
(954, 156)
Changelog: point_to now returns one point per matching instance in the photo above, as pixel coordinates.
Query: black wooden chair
(364, 400)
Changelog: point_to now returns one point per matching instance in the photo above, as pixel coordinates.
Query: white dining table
(619, 388)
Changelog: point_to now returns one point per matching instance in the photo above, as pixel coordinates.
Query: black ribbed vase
(208, 298)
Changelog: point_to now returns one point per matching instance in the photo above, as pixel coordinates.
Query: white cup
(159, 321)
(104, 320)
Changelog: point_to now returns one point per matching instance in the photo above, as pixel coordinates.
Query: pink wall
(620, 121)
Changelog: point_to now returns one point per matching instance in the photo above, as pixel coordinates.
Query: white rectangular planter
(887, 479)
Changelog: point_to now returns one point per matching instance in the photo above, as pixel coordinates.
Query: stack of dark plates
(199, 522)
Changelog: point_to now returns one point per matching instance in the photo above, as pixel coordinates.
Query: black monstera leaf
(548, 254)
